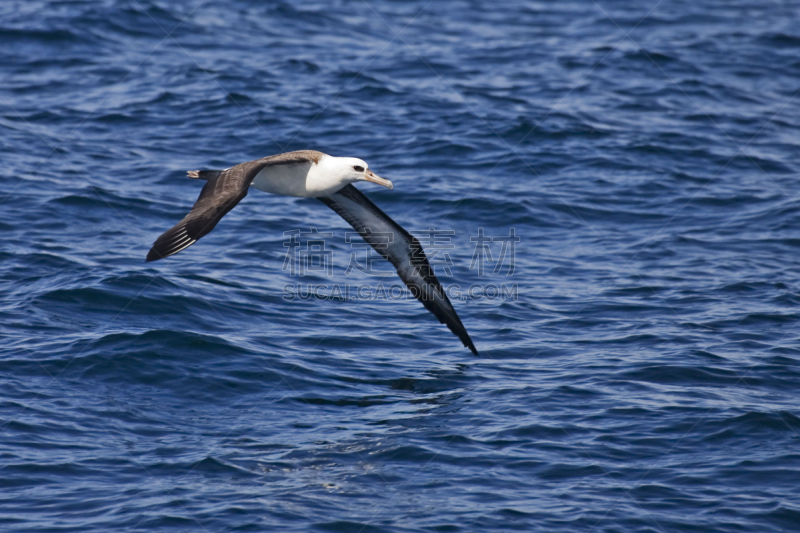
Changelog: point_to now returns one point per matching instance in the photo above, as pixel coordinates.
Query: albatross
(312, 174)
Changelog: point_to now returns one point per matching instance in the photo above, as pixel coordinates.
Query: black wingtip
(472, 348)
(463, 336)
(153, 255)
(452, 322)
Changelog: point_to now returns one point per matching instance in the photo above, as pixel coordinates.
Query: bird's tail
(204, 174)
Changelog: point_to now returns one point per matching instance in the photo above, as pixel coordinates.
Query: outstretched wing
(225, 189)
(219, 195)
(405, 253)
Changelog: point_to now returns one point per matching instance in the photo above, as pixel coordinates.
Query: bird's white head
(346, 170)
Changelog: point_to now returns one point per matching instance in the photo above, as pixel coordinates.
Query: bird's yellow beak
(374, 178)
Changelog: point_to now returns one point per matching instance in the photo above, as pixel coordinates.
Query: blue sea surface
(608, 189)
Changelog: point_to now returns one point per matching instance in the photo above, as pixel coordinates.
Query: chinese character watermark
(375, 249)
(483, 252)
(435, 242)
(308, 252)
(314, 257)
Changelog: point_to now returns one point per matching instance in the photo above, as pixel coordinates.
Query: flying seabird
(308, 173)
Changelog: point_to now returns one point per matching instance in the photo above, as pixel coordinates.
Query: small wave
(60, 37)
(683, 375)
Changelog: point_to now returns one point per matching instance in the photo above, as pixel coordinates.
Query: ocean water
(607, 188)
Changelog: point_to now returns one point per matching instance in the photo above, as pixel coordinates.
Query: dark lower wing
(405, 253)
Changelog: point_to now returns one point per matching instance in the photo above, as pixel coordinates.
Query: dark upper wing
(219, 195)
(224, 189)
(405, 253)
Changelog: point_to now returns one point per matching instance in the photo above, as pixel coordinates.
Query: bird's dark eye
(358, 168)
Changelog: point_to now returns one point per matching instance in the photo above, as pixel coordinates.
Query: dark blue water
(640, 348)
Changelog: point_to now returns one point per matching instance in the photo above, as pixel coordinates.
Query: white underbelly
(286, 180)
(305, 179)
